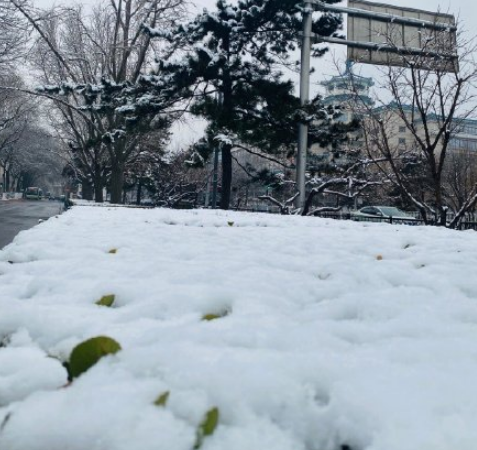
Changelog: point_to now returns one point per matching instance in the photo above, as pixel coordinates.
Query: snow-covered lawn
(334, 335)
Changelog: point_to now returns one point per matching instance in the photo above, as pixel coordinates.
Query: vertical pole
(209, 183)
(215, 178)
(304, 99)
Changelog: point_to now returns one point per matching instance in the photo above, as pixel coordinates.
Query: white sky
(464, 10)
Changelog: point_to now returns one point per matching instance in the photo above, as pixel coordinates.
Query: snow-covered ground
(338, 335)
(11, 196)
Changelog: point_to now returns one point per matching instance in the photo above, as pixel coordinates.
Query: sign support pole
(304, 99)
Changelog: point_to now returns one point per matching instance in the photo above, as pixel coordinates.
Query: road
(18, 215)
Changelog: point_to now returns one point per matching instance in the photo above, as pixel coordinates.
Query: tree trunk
(441, 210)
(226, 177)
(117, 182)
(442, 217)
(138, 193)
(87, 190)
(98, 186)
(20, 186)
(309, 202)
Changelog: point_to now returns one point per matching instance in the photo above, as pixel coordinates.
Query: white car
(383, 214)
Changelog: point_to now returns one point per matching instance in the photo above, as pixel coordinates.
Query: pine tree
(233, 53)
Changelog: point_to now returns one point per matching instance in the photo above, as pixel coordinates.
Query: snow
(336, 334)
(11, 196)
(224, 139)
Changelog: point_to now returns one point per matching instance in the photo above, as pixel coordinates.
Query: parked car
(147, 202)
(383, 213)
(33, 193)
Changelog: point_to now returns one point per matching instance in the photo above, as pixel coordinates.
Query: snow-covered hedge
(236, 332)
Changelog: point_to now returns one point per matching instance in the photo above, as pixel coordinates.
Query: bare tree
(16, 111)
(460, 177)
(88, 63)
(33, 160)
(410, 138)
(175, 183)
(13, 36)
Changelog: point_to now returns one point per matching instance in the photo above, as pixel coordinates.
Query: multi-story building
(464, 136)
(352, 94)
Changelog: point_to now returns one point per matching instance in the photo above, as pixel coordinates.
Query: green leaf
(162, 399)
(210, 317)
(213, 316)
(230, 223)
(207, 427)
(106, 300)
(88, 353)
(113, 251)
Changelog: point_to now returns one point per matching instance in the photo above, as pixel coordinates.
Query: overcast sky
(464, 10)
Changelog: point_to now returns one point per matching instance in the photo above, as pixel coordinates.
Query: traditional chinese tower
(349, 91)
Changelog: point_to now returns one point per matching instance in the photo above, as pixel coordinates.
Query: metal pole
(215, 178)
(385, 47)
(209, 183)
(304, 98)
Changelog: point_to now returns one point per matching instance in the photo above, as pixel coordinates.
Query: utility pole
(304, 99)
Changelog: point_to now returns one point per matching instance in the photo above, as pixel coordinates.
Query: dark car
(33, 193)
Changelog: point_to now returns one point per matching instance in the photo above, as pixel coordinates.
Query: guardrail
(354, 217)
(464, 225)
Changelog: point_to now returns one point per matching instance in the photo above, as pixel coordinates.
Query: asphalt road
(18, 215)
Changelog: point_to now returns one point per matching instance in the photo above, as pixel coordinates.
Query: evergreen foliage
(233, 53)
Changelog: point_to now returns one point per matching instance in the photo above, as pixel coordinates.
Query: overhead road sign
(384, 12)
(427, 37)
(383, 34)
(378, 34)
